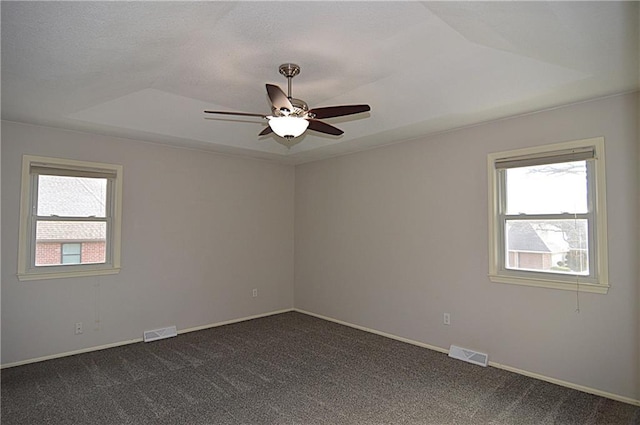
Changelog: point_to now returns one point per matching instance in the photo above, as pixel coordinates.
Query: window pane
(547, 189)
(71, 196)
(71, 253)
(71, 249)
(70, 242)
(554, 246)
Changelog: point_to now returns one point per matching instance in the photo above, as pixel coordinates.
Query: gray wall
(388, 239)
(392, 238)
(200, 231)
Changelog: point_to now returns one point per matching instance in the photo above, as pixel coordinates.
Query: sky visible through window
(547, 189)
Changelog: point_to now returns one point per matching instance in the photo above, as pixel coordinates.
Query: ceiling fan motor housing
(300, 109)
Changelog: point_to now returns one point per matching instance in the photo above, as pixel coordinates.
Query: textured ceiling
(147, 70)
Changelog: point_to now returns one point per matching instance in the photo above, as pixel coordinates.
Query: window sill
(551, 284)
(67, 274)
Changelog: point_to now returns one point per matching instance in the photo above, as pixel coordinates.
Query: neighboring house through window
(547, 216)
(70, 218)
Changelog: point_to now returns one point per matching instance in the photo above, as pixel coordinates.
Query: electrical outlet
(446, 318)
(78, 328)
(254, 293)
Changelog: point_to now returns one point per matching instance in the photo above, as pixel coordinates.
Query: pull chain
(577, 295)
(575, 224)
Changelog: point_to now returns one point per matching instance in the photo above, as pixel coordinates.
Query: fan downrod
(289, 70)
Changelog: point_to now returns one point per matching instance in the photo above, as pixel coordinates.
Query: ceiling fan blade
(278, 98)
(266, 131)
(242, 114)
(338, 111)
(323, 127)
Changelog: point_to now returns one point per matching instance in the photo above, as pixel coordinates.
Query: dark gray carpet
(287, 369)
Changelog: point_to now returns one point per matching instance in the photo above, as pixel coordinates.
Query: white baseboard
(133, 341)
(373, 331)
(70, 353)
(567, 384)
(229, 322)
(560, 382)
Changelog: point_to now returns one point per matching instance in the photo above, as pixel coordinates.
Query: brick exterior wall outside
(93, 252)
(556, 262)
(50, 253)
(530, 260)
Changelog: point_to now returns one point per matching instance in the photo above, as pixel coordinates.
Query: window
(71, 253)
(70, 218)
(547, 216)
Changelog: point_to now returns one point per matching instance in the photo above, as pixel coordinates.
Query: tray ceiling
(147, 70)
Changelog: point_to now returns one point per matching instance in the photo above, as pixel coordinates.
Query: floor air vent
(160, 333)
(468, 355)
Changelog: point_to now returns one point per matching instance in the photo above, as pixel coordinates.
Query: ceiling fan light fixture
(288, 126)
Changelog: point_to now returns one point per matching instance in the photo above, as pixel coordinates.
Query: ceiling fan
(292, 117)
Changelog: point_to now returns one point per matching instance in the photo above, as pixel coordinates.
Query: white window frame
(598, 282)
(27, 270)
